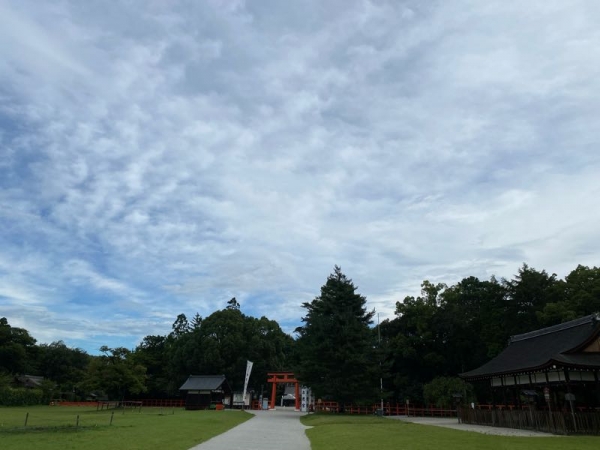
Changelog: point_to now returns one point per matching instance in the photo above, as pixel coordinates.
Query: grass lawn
(332, 432)
(53, 428)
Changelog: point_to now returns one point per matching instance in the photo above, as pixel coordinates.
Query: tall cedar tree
(336, 347)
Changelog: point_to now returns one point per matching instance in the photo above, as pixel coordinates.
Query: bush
(20, 397)
(442, 390)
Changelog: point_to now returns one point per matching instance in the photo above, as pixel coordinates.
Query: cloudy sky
(161, 157)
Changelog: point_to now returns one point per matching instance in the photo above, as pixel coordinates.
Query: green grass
(53, 428)
(332, 432)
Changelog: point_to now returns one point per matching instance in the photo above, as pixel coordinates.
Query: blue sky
(159, 158)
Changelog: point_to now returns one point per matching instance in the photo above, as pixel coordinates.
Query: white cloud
(163, 159)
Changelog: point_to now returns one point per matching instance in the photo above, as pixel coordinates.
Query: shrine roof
(559, 344)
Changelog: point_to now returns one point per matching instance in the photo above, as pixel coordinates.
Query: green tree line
(452, 329)
(337, 350)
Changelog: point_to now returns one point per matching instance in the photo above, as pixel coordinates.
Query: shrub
(442, 390)
(20, 397)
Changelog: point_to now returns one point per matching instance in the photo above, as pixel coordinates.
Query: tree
(152, 353)
(221, 344)
(527, 295)
(268, 346)
(116, 373)
(578, 295)
(225, 345)
(63, 365)
(180, 327)
(336, 347)
(414, 350)
(16, 348)
(471, 321)
(444, 392)
(196, 321)
(233, 304)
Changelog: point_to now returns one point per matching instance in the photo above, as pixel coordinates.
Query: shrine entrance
(287, 378)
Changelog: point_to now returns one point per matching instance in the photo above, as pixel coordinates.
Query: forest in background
(338, 350)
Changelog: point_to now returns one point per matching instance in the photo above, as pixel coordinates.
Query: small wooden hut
(202, 391)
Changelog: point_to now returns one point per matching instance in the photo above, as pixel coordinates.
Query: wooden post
(112, 414)
(273, 394)
(26, 418)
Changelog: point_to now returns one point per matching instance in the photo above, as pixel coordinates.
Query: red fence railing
(153, 402)
(388, 409)
(164, 402)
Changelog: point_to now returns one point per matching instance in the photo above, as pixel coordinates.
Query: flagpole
(380, 369)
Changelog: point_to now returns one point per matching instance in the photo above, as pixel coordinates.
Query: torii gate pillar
(283, 377)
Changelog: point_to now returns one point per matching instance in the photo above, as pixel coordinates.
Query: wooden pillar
(273, 394)
(297, 395)
(597, 378)
(516, 392)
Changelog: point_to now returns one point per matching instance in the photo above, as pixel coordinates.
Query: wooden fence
(164, 402)
(556, 422)
(388, 409)
(59, 402)
(159, 402)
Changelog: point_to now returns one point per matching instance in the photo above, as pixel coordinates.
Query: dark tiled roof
(204, 383)
(33, 381)
(579, 359)
(540, 348)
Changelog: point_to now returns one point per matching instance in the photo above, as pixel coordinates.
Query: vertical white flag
(248, 370)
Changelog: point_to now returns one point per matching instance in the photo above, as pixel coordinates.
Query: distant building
(29, 381)
(554, 369)
(202, 391)
(562, 356)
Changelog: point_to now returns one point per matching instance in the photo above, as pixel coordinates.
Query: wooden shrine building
(202, 391)
(554, 369)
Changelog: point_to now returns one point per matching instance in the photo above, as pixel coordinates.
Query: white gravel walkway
(447, 422)
(267, 430)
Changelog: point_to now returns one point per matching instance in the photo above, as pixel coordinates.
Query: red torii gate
(283, 377)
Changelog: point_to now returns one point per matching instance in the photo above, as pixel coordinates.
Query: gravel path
(281, 429)
(267, 430)
(453, 423)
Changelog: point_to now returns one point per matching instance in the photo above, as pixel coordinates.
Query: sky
(162, 157)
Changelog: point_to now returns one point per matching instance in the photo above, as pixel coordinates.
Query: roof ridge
(206, 376)
(555, 328)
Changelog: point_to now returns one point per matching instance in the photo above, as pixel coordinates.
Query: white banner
(248, 370)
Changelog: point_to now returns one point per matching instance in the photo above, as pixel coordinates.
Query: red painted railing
(155, 402)
(388, 409)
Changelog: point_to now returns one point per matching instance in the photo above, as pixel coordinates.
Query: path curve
(267, 430)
